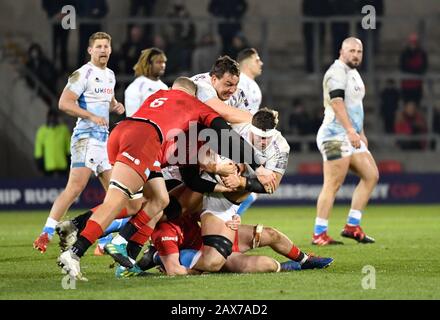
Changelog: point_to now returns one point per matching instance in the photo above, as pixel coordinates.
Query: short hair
(265, 119)
(187, 83)
(245, 54)
(144, 65)
(99, 35)
(225, 64)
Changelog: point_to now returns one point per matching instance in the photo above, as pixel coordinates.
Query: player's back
(174, 109)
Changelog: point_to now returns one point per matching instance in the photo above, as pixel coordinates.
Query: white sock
(354, 217)
(51, 223)
(118, 240)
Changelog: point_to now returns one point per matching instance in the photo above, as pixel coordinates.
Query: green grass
(406, 258)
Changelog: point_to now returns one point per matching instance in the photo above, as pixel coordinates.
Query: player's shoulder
(282, 143)
(337, 68)
(201, 77)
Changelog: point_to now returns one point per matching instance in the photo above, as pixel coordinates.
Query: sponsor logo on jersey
(104, 90)
(169, 238)
(133, 159)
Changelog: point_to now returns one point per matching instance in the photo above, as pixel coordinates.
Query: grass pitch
(406, 260)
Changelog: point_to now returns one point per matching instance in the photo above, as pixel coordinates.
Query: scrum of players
(183, 197)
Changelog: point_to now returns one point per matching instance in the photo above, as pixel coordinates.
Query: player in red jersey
(133, 148)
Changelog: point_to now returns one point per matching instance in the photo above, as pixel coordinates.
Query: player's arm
(172, 265)
(116, 106)
(253, 184)
(230, 114)
(68, 104)
(192, 179)
(341, 114)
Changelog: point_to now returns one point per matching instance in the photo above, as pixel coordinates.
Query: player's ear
(89, 50)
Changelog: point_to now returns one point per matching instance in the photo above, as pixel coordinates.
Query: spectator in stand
(60, 36)
(43, 70)
(131, 49)
(300, 122)
(205, 53)
(413, 60)
(181, 38)
(410, 121)
(52, 146)
(89, 9)
(144, 9)
(389, 103)
(313, 9)
(232, 10)
(239, 43)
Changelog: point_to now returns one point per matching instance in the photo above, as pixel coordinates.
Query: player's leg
(78, 179)
(115, 200)
(217, 243)
(365, 167)
(126, 246)
(240, 263)
(334, 174)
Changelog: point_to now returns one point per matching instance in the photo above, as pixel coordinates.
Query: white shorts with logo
(339, 148)
(219, 206)
(90, 153)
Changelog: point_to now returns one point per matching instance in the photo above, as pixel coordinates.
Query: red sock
(140, 219)
(142, 235)
(92, 231)
(122, 214)
(294, 253)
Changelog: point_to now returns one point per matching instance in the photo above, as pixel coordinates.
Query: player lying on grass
(177, 244)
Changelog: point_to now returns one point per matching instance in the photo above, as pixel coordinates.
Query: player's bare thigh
(364, 165)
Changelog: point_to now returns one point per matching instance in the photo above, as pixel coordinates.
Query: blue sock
(247, 203)
(321, 225)
(186, 257)
(104, 240)
(50, 231)
(354, 217)
(115, 226)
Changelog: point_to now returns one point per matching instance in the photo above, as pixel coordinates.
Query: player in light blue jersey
(88, 95)
(342, 142)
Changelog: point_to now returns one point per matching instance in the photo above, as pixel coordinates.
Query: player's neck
(99, 65)
(153, 78)
(248, 73)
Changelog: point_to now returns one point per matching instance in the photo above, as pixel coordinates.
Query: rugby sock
(81, 220)
(49, 227)
(354, 217)
(105, 240)
(321, 225)
(122, 214)
(116, 225)
(135, 224)
(246, 203)
(296, 255)
(133, 249)
(88, 236)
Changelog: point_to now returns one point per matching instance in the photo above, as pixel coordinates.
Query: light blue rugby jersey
(340, 76)
(95, 88)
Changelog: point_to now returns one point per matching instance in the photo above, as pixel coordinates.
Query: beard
(353, 65)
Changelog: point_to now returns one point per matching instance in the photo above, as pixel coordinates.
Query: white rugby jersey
(95, 89)
(252, 92)
(341, 77)
(138, 91)
(276, 154)
(205, 92)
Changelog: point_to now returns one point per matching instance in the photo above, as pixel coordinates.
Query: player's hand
(232, 181)
(266, 177)
(221, 188)
(225, 169)
(118, 108)
(354, 138)
(100, 121)
(234, 223)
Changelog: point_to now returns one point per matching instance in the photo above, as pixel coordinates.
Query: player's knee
(161, 201)
(223, 248)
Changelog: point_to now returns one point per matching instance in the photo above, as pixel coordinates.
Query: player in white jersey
(148, 70)
(250, 67)
(342, 142)
(88, 95)
(218, 89)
